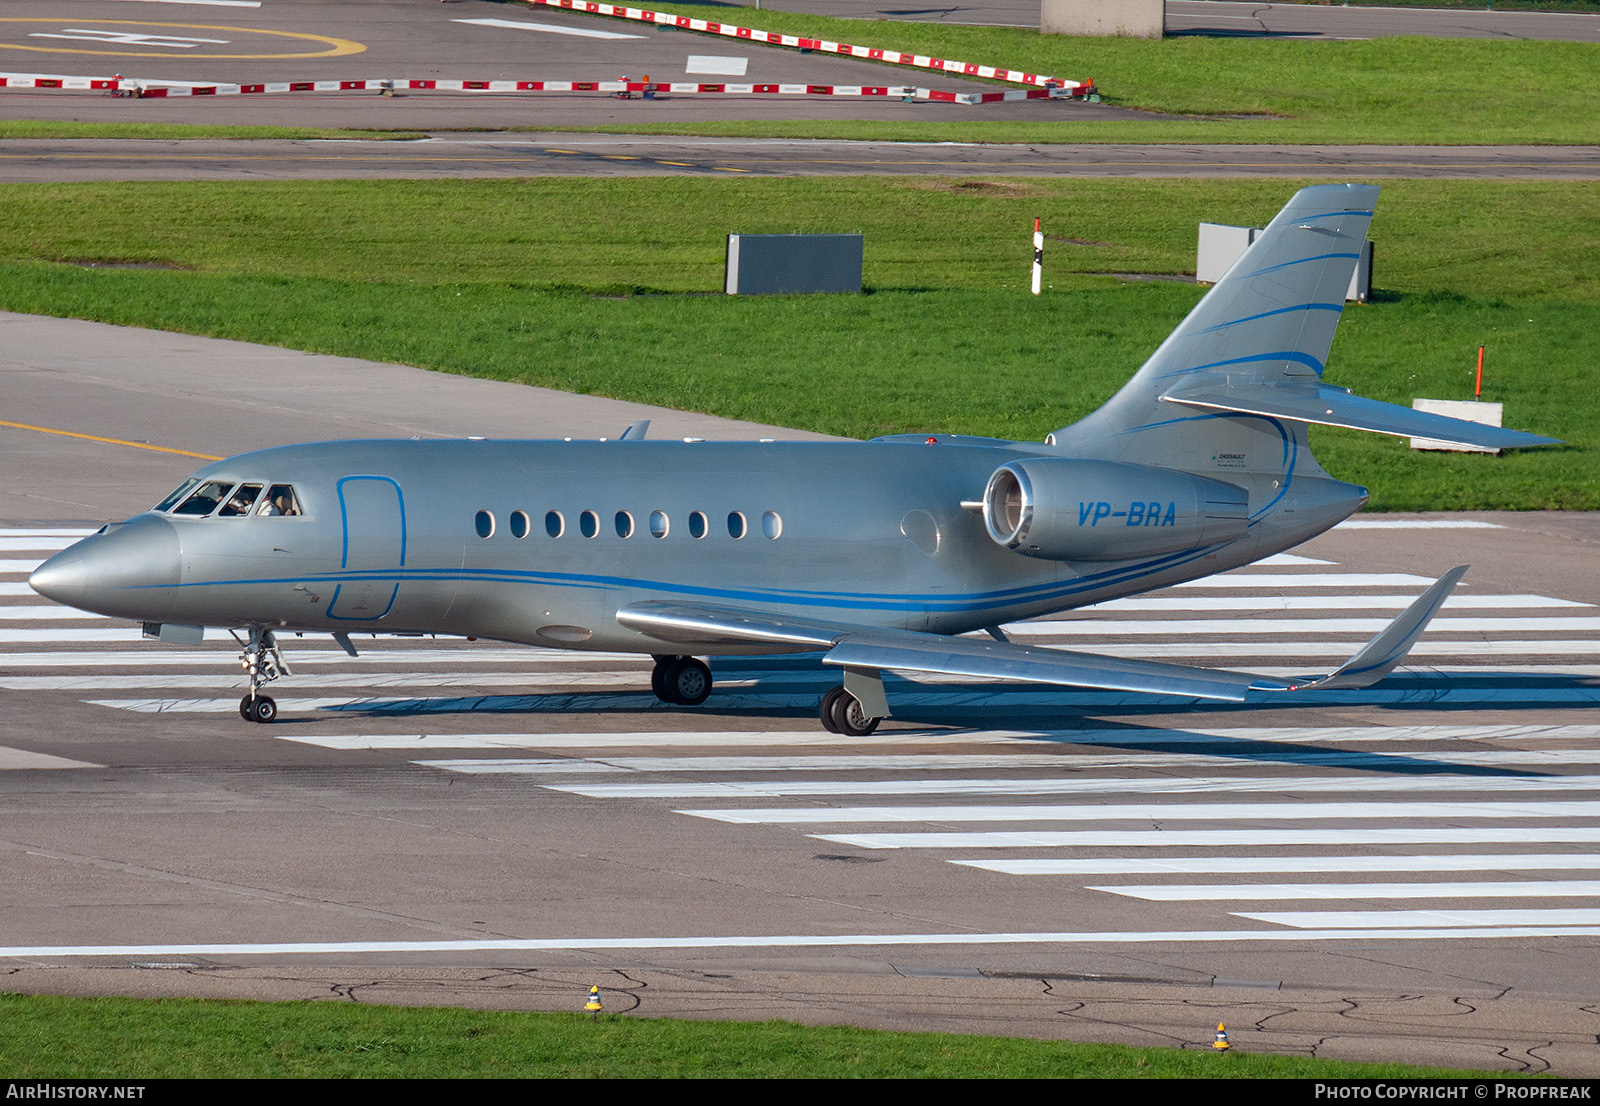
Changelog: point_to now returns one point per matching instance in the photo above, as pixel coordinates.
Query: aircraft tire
(825, 711)
(264, 710)
(246, 709)
(687, 682)
(850, 718)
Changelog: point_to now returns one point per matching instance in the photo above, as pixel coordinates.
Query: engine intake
(1068, 509)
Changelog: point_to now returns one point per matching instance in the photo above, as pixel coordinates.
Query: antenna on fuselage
(636, 431)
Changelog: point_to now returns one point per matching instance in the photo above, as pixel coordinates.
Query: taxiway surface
(1406, 872)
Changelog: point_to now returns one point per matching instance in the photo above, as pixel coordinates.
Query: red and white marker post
(1038, 257)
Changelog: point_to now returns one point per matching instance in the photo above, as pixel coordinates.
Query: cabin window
(589, 524)
(485, 524)
(659, 525)
(519, 524)
(624, 524)
(240, 502)
(183, 489)
(772, 524)
(205, 498)
(280, 501)
(736, 524)
(697, 524)
(554, 524)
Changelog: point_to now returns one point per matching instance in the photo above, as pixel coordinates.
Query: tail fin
(1236, 383)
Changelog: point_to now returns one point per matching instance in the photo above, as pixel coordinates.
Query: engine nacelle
(1069, 509)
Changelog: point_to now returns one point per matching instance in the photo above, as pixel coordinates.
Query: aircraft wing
(865, 647)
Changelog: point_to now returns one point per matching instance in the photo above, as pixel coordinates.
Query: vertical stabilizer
(1268, 323)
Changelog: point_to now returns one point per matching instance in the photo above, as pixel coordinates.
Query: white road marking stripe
(22, 759)
(1166, 786)
(15, 565)
(1209, 839)
(528, 680)
(1372, 523)
(975, 695)
(1190, 626)
(1330, 580)
(211, 3)
(41, 541)
(754, 680)
(1288, 559)
(44, 612)
(1325, 602)
(813, 736)
(1245, 865)
(1286, 892)
(387, 652)
(548, 28)
(1290, 735)
(301, 653)
(1065, 761)
(1387, 919)
(825, 940)
(67, 532)
(1150, 812)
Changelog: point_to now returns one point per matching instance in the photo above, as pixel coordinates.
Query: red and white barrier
(772, 38)
(174, 89)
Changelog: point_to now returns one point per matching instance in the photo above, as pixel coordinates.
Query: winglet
(1380, 655)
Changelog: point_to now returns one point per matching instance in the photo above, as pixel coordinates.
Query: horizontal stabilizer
(1330, 406)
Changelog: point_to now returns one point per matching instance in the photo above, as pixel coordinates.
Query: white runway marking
(13, 565)
(644, 739)
(21, 759)
(1268, 865)
(1148, 812)
(827, 940)
(1330, 580)
(210, 3)
(547, 28)
(44, 612)
(1522, 889)
(37, 541)
(1287, 559)
(1212, 839)
(1353, 626)
(1373, 523)
(1387, 919)
(1393, 761)
(1326, 602)
(1167, 786)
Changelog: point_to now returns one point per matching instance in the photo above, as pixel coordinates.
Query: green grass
(1383, 91)
(577, 284)
(128, 1039)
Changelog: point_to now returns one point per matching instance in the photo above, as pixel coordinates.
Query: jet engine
(1072, 509)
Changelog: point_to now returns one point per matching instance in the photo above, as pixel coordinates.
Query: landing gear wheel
(260, 709)
(658, 676)
(686, 682)
(849, 717)
(830, 703)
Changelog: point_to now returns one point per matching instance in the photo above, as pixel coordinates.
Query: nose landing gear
(262, 663)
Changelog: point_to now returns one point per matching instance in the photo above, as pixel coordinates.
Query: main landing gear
(262, 663)
(842, 713)
(683, 681)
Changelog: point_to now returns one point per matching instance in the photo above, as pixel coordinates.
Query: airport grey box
(1129, 18)
(763, 264)
(1220, 246)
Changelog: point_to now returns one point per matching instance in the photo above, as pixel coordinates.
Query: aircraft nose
(121, 571)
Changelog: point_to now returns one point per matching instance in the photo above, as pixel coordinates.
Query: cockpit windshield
(183, 489)
(225, 499)
(205, 498)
